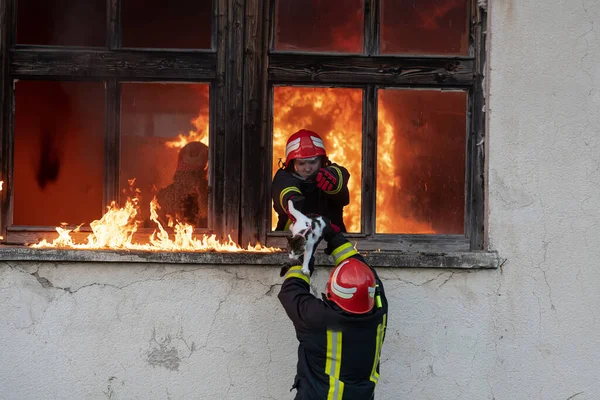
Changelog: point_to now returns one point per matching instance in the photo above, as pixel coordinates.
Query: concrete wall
(527, 331)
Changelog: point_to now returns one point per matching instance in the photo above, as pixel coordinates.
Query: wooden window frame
(241, 68)
(369, 71)
(113, 64)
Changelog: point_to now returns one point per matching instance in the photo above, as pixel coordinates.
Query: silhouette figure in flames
(186, 199)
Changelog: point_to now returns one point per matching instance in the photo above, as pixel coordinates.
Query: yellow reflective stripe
(344, 251)
(286, 191)
(378, 298)
(287, 225)
(378, 344)
(340, 181)
(296, 272)
(333, 365)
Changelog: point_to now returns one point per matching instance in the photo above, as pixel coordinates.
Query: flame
(116, 228)
(391, 213)
(335, 114)
(198, 134)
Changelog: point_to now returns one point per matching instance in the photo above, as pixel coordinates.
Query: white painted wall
(528, 331)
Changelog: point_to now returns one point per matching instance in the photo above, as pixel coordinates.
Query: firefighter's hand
(286, 267)
(292, 263)
(327, 179)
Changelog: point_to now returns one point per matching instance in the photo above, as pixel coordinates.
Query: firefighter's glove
(292, 263)
(327, 179)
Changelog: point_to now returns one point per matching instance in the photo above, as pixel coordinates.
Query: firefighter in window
(311, 181)
(340, 336)
(186, 199)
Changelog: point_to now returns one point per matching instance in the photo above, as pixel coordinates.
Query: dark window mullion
(369, 146)
(217, 140)
(113, 24)
(253, 218)
(112, 142)
(478, 146)
(371, 27)
(8, 23)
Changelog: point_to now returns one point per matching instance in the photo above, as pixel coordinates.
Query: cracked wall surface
(528, 330)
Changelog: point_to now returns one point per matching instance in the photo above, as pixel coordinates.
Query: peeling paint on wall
(162, 354)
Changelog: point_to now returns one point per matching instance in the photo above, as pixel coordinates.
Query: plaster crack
(419, 284)
(215, 315)
(544, 272)
(271, 289)
(575, 395)
(446, 281)
(587, 44)
(46, 284)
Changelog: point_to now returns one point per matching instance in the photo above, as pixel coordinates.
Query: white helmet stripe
(292, 146)
(340, 291)
(318, 142)
(372, 291)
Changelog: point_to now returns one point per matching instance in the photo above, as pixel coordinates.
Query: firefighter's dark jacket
(308, 198)
(338, 354)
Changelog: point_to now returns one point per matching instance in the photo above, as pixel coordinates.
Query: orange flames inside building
(420, 167)
(420, 152)
(335, 114)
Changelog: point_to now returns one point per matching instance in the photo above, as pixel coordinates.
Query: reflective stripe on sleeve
(340, 184)
(378, 344)
(342, 252)
(333, 365)
(296, 272)
(285, 191)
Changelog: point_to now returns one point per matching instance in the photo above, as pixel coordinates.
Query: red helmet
(351, 286)
(304, 144)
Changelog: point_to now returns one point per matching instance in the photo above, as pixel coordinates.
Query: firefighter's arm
(284, 188)
(300, 305)
(333, 180)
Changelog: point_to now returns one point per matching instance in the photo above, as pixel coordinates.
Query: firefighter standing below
(311, 181)
(340, 336)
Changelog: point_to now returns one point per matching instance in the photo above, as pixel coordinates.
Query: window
(192, 102)
(393, 87)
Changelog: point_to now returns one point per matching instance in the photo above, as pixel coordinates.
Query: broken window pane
(164, 147)
(336, 115)
(425, 26)
(61, 22)
(59, 152)
(421, 161)
(166, 24)
(317, 25)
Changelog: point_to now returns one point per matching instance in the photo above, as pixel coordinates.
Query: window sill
(393, 259)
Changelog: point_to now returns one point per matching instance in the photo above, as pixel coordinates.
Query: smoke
(320, 25)
(424, 26)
